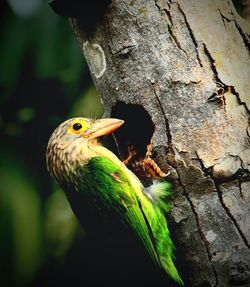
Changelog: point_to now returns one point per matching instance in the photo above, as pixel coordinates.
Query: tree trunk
(178, 72)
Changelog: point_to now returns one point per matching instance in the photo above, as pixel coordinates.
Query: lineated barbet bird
(81, 164)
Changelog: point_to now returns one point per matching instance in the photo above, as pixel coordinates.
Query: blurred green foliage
(60, 224)
(46, 40)
(43, 81)
(20, 222)
(88, 105)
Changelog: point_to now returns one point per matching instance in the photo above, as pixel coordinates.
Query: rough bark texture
(187, 64)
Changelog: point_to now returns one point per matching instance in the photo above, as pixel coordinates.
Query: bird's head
(69, 143)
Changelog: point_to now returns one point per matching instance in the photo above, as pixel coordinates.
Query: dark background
(43, 81)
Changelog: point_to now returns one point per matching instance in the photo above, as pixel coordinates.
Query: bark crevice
(229, 214)
(232, 89)
(208, 172)
(244, 36)
(175, 40)
(199, 228)
(192, 36)
(168, 132)
(222, 88)
(240, 189)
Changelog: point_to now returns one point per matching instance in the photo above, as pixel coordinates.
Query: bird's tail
(167, 264)
(156, 193)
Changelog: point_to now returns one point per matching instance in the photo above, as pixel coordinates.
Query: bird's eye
(77, 126)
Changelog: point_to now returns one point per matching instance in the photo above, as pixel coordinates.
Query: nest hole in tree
(134, 137)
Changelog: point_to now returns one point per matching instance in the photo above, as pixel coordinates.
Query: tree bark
(179, 73)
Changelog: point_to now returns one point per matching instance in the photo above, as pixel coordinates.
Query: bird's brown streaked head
(70, 141)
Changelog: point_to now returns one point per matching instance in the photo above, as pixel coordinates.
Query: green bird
(81, 164)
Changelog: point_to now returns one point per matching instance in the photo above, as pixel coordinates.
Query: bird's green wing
(118, 190)
(105, 180)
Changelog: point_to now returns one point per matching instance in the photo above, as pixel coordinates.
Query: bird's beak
(103, 127)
